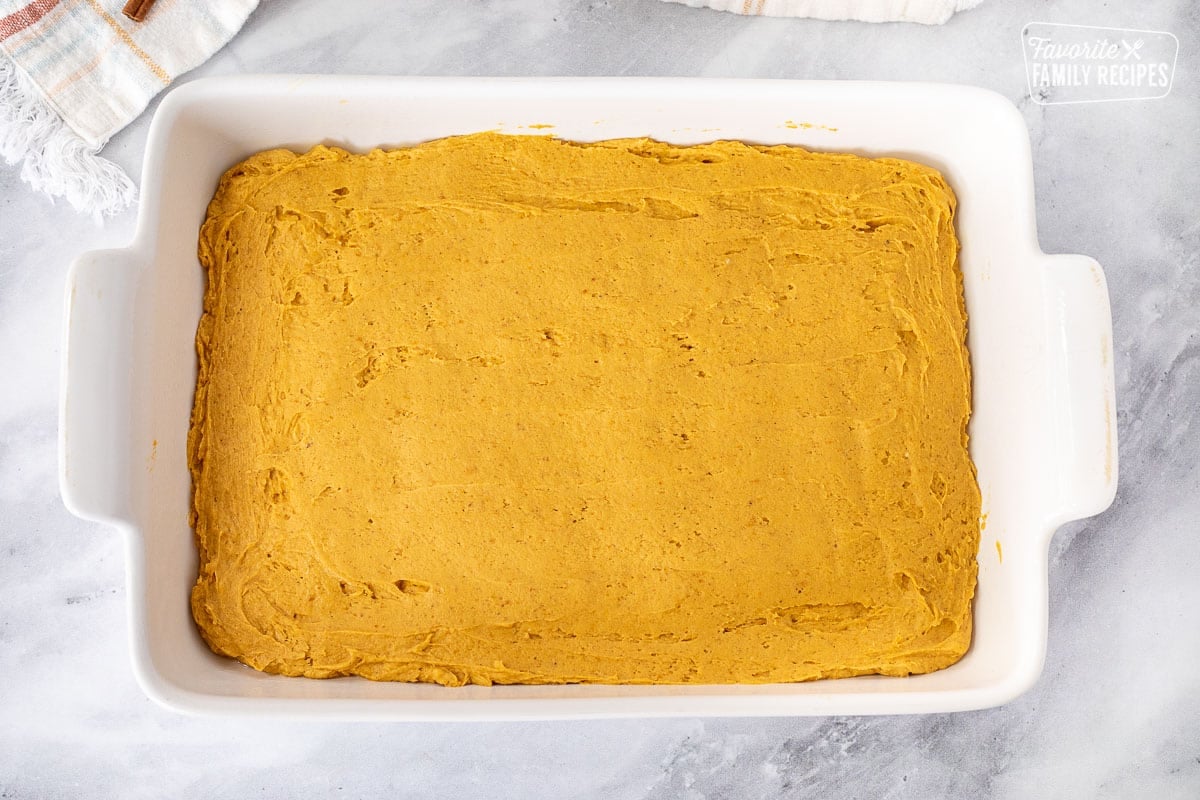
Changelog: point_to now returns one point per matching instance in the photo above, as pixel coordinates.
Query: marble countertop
(1117, 711)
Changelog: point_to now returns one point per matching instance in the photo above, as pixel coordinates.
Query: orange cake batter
(511, 409)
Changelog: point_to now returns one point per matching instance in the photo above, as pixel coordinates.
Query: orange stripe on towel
(124, 36)
(79, 73)
(22, 18)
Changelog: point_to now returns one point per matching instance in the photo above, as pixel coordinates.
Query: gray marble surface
(1117, 711)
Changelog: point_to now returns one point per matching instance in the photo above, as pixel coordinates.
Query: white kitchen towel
(928, 12)
(74, 72)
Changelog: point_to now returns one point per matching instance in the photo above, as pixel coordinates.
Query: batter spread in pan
(513, 409)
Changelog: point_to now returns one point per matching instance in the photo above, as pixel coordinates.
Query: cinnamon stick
(136, 10)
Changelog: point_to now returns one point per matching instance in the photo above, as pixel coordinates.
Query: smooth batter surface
(511, 409)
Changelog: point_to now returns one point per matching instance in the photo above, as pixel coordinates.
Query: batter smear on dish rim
(512, 409)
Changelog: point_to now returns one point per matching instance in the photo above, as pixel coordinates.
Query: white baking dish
(1042, 435)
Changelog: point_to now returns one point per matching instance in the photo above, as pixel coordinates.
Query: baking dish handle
(94, 414)
(1082, 383)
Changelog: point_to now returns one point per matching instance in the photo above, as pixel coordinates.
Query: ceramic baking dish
(1042, 435)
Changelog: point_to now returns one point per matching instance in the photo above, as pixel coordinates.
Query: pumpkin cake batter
(511, 409)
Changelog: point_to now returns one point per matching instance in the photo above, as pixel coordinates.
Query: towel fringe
(53, 158)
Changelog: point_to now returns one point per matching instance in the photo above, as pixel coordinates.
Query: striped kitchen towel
(928, 12)
(74, 72)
